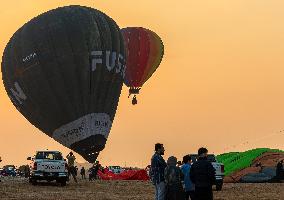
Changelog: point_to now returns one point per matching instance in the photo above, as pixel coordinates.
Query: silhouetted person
(188, 185)
(94, 171)
(179, 164)
(258, 164)
(27, 171)
(173, 179)
(202, 174)
(157, 172)
(279, 170)
(71, 165)
(76, 171)
(0, 174)
(83, 173)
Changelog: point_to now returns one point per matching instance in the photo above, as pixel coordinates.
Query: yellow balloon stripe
(157, 54)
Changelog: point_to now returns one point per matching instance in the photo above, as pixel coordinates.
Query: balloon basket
(134, 100)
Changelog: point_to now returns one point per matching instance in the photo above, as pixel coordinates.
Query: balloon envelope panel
(145, 51)
(64, 70)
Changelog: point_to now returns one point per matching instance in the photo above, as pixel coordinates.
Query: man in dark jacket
(157, 171)
(202, 174)
(83, 173)
(94, 171)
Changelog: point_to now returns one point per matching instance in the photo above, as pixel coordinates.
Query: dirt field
(18, 188)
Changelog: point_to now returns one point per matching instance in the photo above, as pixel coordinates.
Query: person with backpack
(173, 180)
(157, 171)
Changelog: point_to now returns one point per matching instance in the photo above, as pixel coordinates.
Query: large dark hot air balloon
(64, 70)
(145, 51)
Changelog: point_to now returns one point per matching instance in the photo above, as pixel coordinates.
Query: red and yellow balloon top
(144, 53)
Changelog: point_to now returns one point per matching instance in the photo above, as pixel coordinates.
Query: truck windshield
(49, 155)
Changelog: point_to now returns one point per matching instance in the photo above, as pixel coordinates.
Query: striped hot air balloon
(144, 53)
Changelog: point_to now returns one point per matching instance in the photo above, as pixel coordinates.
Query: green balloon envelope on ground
(64, 70)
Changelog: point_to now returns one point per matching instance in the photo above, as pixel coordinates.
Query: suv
(49, 166)
(219, 167)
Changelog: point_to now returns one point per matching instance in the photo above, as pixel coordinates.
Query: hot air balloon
(144, 53)
(64, 71)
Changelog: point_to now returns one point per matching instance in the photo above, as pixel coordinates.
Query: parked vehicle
(219, 167)
(115, 169)
(9, 170)
(49, 166)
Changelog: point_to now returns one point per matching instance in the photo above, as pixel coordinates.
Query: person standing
(157, 172)
(27, 171)
(83, 173)
(94, 171)
(279, 170)
(0, 173)
(188, 185)
(202, 174)
(173, 179)
(71, 165)
(97, 168)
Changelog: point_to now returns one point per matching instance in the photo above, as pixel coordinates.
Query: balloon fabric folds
(144, 53)
(64, 71)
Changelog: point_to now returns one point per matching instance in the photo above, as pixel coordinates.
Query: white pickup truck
(49, 166)
(219, 167)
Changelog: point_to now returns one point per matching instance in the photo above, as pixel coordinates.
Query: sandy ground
(19, 188)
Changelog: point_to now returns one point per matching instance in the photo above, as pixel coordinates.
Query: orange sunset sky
(220, 84)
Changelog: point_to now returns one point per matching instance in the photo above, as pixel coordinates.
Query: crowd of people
(189, 181)
(173, 180)
(73, 170)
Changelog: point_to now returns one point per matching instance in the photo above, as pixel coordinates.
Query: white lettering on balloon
(82, 128)
(29, 57)
(97, 59)
(18, 93)
(112, 61)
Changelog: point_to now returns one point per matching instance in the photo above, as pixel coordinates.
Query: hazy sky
(219, 85)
